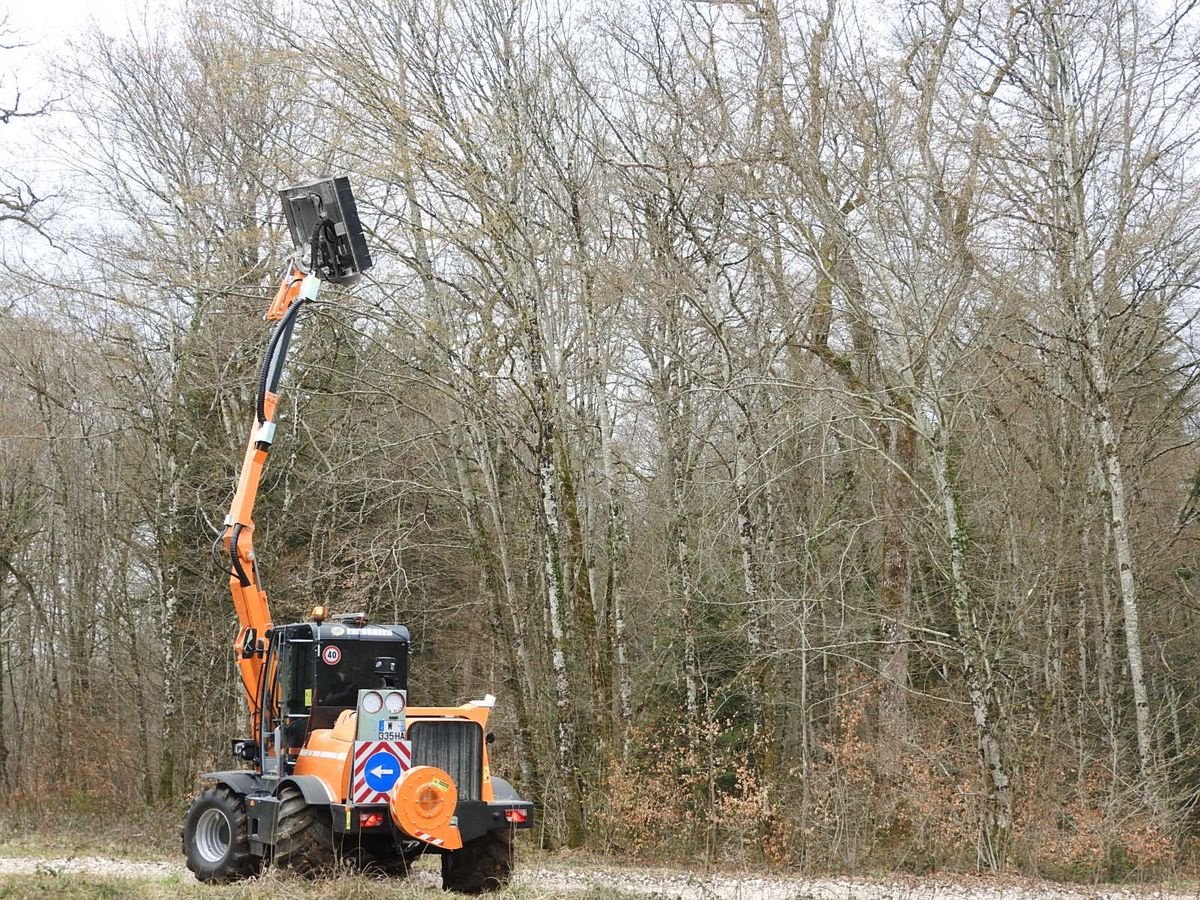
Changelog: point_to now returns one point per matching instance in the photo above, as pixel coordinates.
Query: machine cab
(314, 671)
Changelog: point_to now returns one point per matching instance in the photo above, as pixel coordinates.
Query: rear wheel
(304, 839)
(216, 838)
(481, 866)
(380, 856)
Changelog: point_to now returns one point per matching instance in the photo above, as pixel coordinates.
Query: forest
(787, 408)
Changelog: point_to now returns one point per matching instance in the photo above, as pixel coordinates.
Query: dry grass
(148, 834)
(270, 887)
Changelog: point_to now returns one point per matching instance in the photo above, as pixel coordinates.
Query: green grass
(344, 887)
(150, 835)
(80, 886)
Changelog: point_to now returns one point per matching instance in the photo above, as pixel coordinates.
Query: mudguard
(502, 790)
(315, 791)
(238, 781)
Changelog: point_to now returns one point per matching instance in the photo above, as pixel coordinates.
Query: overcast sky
(46, 22)
(42, 29)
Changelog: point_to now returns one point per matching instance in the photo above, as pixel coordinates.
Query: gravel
(674, 885)
(682, 886)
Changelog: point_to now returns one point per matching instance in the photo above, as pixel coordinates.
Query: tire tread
(482, 865)
(304, 841)
(241, 862)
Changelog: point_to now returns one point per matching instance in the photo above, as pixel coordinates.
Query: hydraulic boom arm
(330, 246)
(249, 596)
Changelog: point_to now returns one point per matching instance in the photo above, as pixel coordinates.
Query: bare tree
(20, 201)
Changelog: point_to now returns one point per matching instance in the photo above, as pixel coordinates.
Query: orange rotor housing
(422, 805)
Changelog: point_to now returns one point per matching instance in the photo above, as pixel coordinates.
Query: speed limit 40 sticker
(332, 655)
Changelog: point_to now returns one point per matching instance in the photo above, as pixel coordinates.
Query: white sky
(42, 29)
(47, 22)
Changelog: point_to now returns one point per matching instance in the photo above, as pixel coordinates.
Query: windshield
(344, 667)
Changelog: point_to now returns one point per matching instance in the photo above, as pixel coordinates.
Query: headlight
(395, 702)
(372, 702)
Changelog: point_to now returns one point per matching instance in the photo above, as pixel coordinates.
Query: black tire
(481, 866)
(216, 838)
(378, 856)
(304, 841)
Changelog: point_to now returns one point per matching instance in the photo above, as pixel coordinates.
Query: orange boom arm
(249, 597)
(330, 246)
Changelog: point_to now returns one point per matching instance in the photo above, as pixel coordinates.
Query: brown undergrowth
(1086, 826)
(865, 806)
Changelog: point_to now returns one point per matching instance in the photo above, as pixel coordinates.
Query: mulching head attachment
(325, 228)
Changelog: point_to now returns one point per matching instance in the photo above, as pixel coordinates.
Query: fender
(502, 790)
(239, 781)
(315, 791)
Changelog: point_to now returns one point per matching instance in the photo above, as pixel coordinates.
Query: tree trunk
(1123, 544)
(502, 596)
(977, 670)
(5, 780)
(1075, 259)
(615, 595)
(895, 588)
(587, 626)
(168, 624)
(548, 488)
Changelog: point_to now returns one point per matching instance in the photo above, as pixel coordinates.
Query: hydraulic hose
(213, 551)
(268, 376)
(242, 577)
(323, 242)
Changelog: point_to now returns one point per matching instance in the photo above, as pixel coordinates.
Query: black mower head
(324, 224)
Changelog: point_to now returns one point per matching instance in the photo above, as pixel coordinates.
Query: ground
(91, 855)
(540, 878)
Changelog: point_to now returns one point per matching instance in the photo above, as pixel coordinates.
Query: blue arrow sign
(381, 771)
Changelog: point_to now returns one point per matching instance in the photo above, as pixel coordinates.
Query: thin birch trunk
(168, 614)
(615, 537)
(746, 528)
(1123, 545)
(677, 418)
(513, 656)
(1079, 281)
(548, 487)
(977, 670)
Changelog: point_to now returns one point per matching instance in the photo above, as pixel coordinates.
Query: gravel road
(682, 886)
(685, 886)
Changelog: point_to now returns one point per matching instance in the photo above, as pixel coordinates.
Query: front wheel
(481, 866)
(216, 837)
(304, 839)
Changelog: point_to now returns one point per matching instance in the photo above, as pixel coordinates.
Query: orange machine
(338, 766)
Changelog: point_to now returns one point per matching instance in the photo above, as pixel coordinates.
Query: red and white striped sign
(379, 754)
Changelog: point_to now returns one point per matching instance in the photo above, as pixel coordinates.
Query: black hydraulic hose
(213, 550)
(269, 371)
(268, 380)
(323, 242)
(313, 240)
(243, 579)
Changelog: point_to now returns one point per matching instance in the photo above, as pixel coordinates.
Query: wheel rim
(212, 835)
